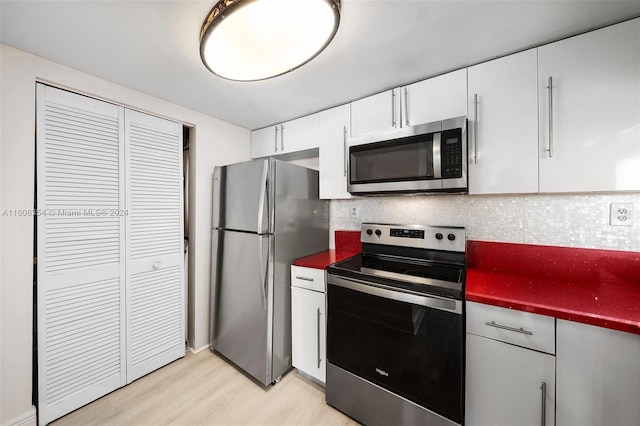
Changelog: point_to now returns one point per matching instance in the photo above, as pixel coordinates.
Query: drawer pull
(506, 327)
(305, 279)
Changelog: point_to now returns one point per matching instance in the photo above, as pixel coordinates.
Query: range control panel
(450, 238)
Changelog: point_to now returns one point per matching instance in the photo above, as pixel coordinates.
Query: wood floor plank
(204, 389)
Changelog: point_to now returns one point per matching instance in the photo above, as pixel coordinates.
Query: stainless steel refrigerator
(266, 213)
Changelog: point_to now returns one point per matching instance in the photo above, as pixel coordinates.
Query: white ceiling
(152, 46)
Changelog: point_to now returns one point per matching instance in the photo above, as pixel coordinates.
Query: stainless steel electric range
(395, 327)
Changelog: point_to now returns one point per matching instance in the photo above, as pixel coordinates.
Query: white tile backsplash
(544, 219)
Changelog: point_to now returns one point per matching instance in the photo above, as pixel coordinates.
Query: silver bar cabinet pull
(304, 278)
(319, 338)
(393, 108)
(276, 138)
(281, 138)
(475, 128)
(550, 149)
(506, 327)
(543, 422)
(344, 146)
(406, 105)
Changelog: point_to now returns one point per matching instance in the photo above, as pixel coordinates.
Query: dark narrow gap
(186, 136)
(34, 334)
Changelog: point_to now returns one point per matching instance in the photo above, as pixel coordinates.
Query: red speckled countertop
(597, 287)
(347, 245)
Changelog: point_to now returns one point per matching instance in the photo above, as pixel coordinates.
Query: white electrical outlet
(355, 212)
(621, 214)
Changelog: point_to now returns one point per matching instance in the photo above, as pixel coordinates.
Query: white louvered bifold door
(80, 239)
(155, 254)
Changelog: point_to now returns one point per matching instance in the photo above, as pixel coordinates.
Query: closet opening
(186, 138)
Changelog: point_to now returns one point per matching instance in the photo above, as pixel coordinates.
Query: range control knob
(378, 232)
(439, 236)
(369, 232)
(451, 237)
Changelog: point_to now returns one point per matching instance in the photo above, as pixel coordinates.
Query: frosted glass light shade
(250, 40)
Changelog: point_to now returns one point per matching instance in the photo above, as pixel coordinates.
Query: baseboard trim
(27, 419)
(195, 351)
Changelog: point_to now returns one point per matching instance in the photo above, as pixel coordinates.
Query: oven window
(411, 350)
(409, 158)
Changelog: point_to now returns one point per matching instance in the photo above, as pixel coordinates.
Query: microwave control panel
(452, 153)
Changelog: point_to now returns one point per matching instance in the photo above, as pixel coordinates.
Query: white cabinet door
(437, 98)
(265, 142)
(308, 332)
(299, 135)
(598, 376)
(591, 121)
(504, 384)
(334, 130)
(290, 137)
(81, 251)
(155, 268)
(503, 125)
(376, 113)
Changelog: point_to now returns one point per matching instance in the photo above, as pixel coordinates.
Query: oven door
(407, 343)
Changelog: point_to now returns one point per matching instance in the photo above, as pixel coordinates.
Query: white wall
(213, 142)
(571, 220)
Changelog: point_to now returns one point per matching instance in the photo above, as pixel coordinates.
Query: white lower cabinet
(509, 380)
(598, 376)
(308, 322)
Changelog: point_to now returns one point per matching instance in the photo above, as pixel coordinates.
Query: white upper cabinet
(590, 116)
(287, 138)
(264, 142)
(503, 125)
(376, 113)
(437, 98)
(299, 134)
(334, 130)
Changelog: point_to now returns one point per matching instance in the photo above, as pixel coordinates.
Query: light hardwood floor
(203, 389)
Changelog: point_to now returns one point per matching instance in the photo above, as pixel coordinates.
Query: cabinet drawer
(310, 278)
(511, 326)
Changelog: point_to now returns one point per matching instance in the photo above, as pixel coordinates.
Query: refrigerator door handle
(263, 197)
(264, 269)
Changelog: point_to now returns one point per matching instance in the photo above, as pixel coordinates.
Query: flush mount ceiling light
(249, 40)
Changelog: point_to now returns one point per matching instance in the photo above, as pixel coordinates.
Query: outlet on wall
(621, 214)
(355, 212)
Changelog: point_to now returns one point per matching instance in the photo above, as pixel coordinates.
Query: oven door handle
(430, 301)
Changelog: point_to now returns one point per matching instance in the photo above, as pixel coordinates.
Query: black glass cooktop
(412, 274)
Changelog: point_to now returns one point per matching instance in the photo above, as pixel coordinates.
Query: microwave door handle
(437, 164)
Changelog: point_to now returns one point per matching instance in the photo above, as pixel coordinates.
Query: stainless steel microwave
(428, 157)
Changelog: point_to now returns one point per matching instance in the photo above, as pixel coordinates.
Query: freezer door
(242, 301)
(241, 197)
